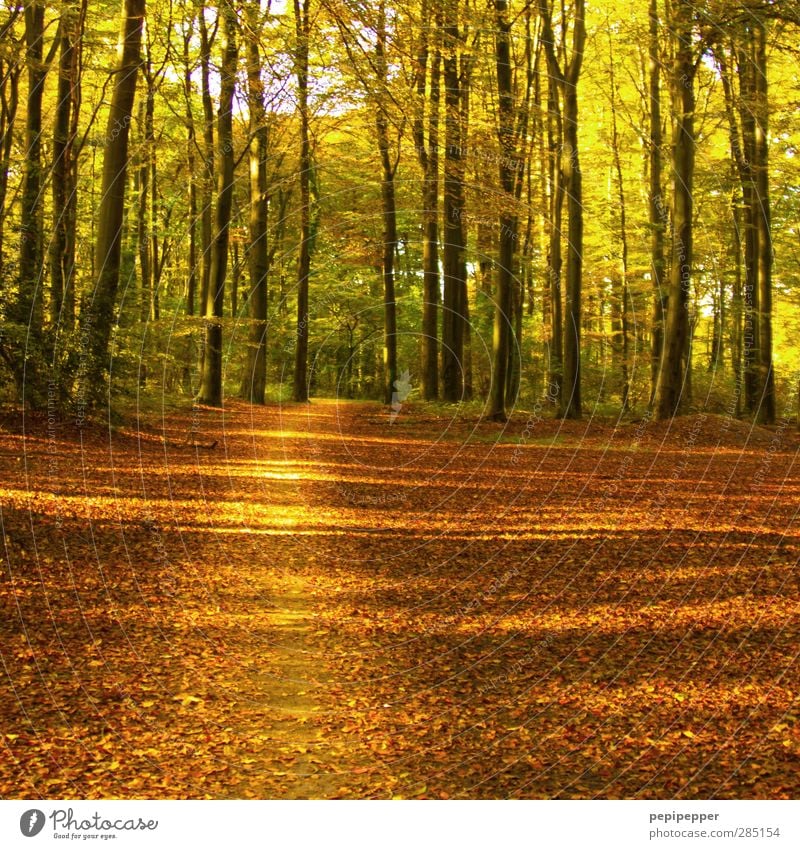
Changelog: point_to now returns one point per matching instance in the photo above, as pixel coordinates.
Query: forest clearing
(334, 604)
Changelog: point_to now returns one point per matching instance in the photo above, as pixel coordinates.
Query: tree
(28, 313)
(748, 118)
(211, 381)
(98, 316)
(64, 178)
(566, 86)
(427, 145)
(456, 82)
(501, 340)
(669, 389)
(10, 71)
(254, 379)
(388, 169)
(656, 208)
(302, 31)
(620, 303)
(766, 408)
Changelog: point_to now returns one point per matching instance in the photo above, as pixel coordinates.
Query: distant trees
(463, 220)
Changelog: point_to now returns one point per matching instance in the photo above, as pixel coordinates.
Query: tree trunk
(254, 381)
(574, 185)
(428, 155)
(191, 141)
(211, 380)
(9, 104)
(766, 411)
(669, 391)
(63, 180)
(99, 317)
(501, 339)
(28, 312)
(142, 187)
(302, 24)
(656, 208)
(566, 84)
(621, 344)
(455, 270)
(554, 260)
(207, 197)
(389, 214)
(736, 300)
(747, 95)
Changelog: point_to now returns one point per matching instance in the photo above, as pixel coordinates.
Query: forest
(399, 399)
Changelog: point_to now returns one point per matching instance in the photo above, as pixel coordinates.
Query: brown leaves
(328, 607)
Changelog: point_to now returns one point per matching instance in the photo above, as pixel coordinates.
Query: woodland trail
(336, 602)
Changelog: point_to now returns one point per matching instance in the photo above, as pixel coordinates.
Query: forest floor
(339, 600)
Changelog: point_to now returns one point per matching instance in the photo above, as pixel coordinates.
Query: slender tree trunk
(736, 301)
(254, 381)
(520, 173)
(554, 260)
(622, 347)
(28, 312)
(455, 272)
(428, 155)
(191, 160)
(9, 103)
(389, 215)
(142, 187)
(211, 381)
(63, 183)
(501, 338)
(717, 353)
(747, 110)
(191, 142)
(574, 184)
(669, 391)
(766, 409)
(567, 86)
(656, 207)
(741, 132)
(302, 23)
(207, 197)
(99, 316)
(155, 252)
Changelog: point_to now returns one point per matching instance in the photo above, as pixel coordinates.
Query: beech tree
(426, 141)
(669, 389)
(454, 301)
(64, 177)
(254, 379)
(211, 379)
(565, 74)
(656, 205)
(98, 316)
(302, 30)
(747, 109)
